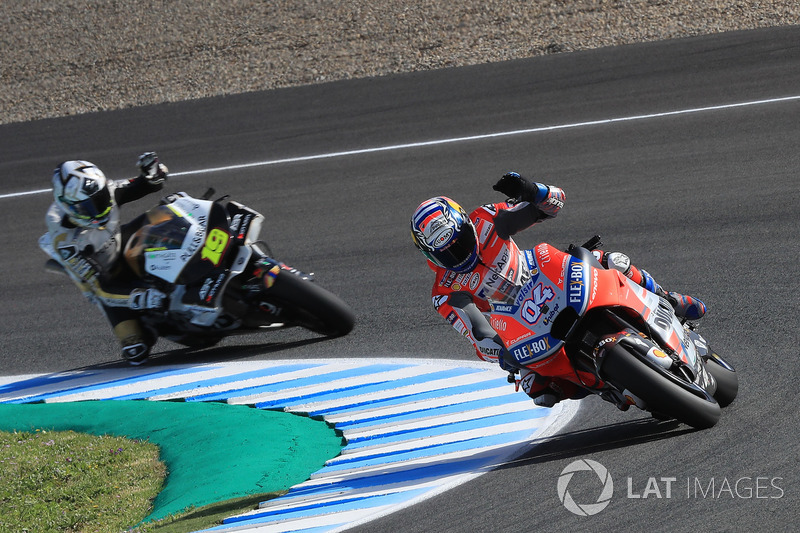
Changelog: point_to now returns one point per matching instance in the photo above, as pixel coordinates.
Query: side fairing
(660, 317)
(558, 280)
(188, 220)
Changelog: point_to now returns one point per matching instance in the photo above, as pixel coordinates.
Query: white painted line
(422, 144)
(523, 403)
(369, 412)
(25, 193)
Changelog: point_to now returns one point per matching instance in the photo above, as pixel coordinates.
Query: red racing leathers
(461, 298)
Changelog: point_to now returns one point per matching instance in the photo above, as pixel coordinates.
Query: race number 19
(215, 246)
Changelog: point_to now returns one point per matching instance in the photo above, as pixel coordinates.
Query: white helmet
(81, 189)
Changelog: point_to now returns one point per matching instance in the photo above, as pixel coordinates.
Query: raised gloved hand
(146, 299)
(151, 169)
(512, 185)
(547, 198)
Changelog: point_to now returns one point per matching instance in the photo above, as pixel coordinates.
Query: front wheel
(306, 304)
(661, 394)
(727, 380)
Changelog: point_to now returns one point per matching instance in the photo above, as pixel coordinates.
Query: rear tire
(310, 306)
(727, 382)
(661, 395)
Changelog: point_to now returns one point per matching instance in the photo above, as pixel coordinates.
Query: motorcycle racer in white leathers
(85, 236)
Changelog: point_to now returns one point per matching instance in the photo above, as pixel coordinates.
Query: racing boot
(545, 391)
(135, 340)
(686, 307)
(136, 353)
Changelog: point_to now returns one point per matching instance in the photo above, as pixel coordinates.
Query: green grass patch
(63, 481)
(68, 482)
(171, 467)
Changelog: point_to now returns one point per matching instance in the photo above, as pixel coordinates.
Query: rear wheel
(727, 381)
(661, 394)
(306, 304)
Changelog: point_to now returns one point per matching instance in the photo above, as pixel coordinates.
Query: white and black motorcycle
(221, 280)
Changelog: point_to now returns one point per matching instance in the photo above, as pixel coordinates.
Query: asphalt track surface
(656, 154)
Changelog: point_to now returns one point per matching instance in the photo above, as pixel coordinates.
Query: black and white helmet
(82, 191)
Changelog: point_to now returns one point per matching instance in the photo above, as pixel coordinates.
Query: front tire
(727, 381)
(661, 394)
(308, 305)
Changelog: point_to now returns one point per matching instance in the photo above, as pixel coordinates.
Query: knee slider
(532, 384)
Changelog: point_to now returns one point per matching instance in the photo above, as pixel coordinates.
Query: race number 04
(531, 309)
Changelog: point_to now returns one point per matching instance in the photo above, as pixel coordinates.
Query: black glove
(144, 299)
(150, 168)
(512, 185)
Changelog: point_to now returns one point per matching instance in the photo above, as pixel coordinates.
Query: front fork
(265, 269)
(264, 273)
(667, 362)
(649, 351)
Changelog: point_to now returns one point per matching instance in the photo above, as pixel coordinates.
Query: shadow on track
(215, 354)
(218, 354)
(586, 441)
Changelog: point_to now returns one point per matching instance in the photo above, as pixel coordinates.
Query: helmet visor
(460, 255)
(96, 207)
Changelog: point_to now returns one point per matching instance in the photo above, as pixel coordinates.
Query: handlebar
(591, 244)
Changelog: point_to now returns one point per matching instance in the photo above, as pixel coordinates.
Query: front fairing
(524, 317)
(664, 327)
(185, 241)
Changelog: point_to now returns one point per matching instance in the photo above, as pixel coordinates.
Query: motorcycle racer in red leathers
(474, 259)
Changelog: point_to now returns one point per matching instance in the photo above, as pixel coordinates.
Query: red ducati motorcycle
(573, 319)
